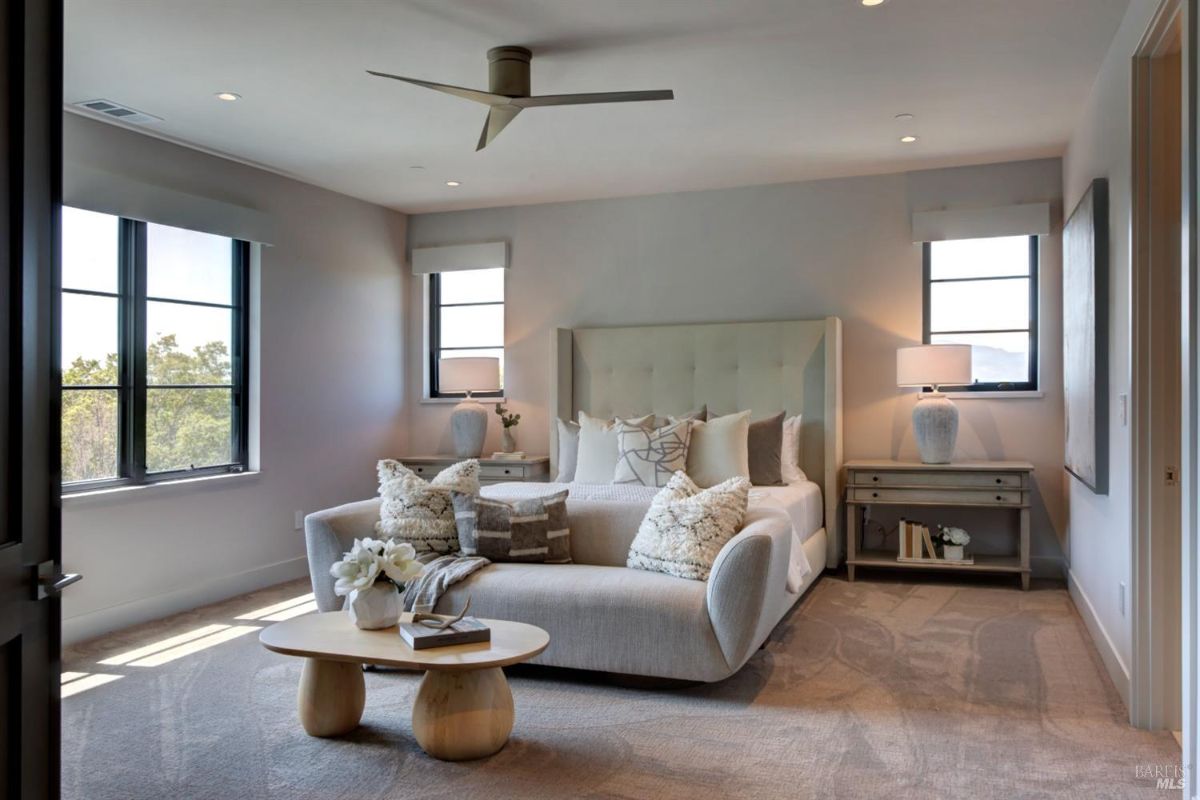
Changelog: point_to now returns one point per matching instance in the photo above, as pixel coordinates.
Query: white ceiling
(766, 91)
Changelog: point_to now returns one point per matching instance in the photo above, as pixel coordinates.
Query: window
(466, 318)
(983, 292)
(154, 343)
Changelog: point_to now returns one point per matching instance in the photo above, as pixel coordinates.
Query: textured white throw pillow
(719, 449)
(789, 458)
(686, 527)
(568, 451)
(597, 458)
(421, 513)
(650, 457)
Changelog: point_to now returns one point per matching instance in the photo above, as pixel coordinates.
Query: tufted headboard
(766, 367)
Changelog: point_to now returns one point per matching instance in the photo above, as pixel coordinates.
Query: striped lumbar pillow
(532, 530)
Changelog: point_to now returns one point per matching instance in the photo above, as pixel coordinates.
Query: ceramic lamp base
(468, 425)
(935, 426)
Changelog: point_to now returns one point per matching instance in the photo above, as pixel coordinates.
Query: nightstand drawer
(885, 478)
(936, 495)
(496, 472)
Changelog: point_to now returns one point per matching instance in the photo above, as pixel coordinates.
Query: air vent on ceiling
(117, 111)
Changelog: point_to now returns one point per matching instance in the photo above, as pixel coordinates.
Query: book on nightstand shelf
(467, 630)
(917, 545)
(517, 455)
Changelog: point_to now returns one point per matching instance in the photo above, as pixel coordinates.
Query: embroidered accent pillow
(531, 530)
(686, 527)
(422, 513)
(596, 461)
(651, 457)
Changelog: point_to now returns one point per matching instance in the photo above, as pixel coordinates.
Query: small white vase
(377, 606)
(508, 441)
(952, 552)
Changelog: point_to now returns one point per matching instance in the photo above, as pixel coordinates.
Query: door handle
(51, 582)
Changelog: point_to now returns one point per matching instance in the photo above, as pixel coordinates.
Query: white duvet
(797, 506)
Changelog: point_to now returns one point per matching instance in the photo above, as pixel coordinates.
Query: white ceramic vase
(377, 606)
(935, 427)
(952, 552)
(508, 441)
(468, 426)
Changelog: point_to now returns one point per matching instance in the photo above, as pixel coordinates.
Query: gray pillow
(568, 451)
(765, 446)
(533, 530)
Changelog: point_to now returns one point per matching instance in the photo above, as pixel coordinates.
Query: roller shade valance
(456, 257)
(1026, 219)
(107, 192)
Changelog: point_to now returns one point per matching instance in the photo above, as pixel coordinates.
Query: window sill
(453, 401)
(1034, 394)
(146, 491)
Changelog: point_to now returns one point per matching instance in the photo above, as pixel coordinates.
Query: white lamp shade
(934, 365)
(474, 374)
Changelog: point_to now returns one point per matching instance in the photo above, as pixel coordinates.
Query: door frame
(1155, 686)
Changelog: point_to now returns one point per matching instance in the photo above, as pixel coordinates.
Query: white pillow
(686, 527)
(789, 457)
(596, 461)
(568, 451)
(650, 457)
(421, 513)
(719, 449)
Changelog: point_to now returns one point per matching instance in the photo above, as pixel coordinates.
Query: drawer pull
(998, 497)
(876, 494)
(875, 478)
(506, 472)
(998, 480)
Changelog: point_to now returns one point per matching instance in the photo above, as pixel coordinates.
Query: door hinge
(1172, 476)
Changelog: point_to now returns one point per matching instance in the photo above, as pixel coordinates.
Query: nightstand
(1003, 485)
(491, 470)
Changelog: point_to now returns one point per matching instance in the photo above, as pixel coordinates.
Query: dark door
(30, 544)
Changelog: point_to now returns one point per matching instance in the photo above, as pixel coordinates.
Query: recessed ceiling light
(230, 96)
(903, 117)
(417, 168)
(870, 3)
(908, 139)
(453, 183)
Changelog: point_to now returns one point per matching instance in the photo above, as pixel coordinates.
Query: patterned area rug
(870, 689)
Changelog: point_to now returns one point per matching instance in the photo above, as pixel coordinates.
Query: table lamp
(935, 419)
(468, 422)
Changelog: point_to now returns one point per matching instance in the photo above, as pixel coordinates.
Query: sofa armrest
(738, 586)
(328, 534)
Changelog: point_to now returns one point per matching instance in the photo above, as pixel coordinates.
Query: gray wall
(786, 251)
(1101, 532)
(333, 291)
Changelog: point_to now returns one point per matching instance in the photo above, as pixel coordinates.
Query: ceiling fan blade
(497, 118)
(487, 98)
(593, 97)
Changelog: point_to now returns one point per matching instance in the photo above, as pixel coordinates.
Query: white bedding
(798, 505)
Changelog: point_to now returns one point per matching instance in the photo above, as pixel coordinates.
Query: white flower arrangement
(954, 536)
(371, 560)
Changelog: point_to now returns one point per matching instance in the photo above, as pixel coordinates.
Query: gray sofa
(600, 614)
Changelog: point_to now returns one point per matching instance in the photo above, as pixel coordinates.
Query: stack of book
(514, 456)
(916, 544)
(467, 630)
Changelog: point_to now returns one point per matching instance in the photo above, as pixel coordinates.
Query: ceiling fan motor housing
(508, 71)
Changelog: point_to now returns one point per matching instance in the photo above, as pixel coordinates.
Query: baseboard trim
(1117, 671)
(146, 609)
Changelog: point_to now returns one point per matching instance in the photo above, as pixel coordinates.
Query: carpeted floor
(870, 689)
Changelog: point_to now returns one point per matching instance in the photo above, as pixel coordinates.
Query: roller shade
(1026, 219)
(455, 257)
(107, 192)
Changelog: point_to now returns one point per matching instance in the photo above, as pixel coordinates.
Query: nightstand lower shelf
(983, 563)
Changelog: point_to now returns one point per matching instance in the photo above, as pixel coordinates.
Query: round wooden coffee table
(463, 709)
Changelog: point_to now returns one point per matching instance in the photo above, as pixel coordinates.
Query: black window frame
(132, 309)
(1029, 385)
(435, 336)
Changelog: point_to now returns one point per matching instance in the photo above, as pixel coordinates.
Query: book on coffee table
(467, 630)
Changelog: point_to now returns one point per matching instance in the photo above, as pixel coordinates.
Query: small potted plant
(508, 441)
(371, 577)
(953, 541)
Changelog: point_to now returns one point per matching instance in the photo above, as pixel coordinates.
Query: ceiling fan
(508, 91)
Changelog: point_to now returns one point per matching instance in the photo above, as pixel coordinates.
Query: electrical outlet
(1121, 597)
(1123, 405)
(299, 519)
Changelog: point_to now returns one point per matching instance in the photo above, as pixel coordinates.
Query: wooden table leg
(1024, 546)
(331, 697)
(463, 715)
(851, 539)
